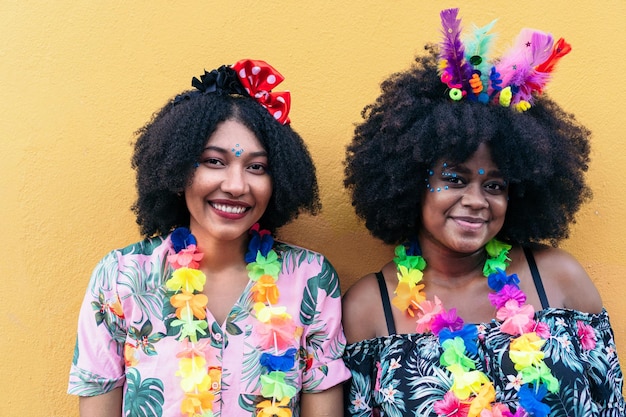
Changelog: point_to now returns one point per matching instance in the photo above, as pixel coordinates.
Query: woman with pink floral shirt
(208, 315)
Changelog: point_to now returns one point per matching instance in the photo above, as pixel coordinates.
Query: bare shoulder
(565, 279)
(362, 309)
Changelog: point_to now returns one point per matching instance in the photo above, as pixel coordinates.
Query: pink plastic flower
(278, 333)
(515, 319)
(188, 257)
(586, 335)
(429, 310)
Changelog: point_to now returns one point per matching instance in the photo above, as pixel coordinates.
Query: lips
(471, 223)
(232, 209)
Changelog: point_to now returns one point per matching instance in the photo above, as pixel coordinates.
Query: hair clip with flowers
(249, 78)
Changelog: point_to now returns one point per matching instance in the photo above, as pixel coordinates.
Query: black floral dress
(400, 375)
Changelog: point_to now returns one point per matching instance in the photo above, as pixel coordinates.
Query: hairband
(511, 81)
(248, 77)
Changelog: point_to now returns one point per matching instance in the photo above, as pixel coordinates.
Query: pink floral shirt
(123, 342)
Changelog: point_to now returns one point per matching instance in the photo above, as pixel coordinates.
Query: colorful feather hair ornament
(519, 75)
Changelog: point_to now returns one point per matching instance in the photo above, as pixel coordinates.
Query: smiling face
(231, 187)
(465, 204)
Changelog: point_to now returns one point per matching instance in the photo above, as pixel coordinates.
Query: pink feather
(518, 65)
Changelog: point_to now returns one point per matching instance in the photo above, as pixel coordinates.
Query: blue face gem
(237, 151)
(481, 171)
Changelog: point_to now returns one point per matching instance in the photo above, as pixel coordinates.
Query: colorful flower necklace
(472, 391)
(275, 328)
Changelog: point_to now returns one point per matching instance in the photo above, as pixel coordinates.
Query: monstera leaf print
(326, 280)
(143, 398)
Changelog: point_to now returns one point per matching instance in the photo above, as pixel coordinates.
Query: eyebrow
(222, 150)
(464, 170)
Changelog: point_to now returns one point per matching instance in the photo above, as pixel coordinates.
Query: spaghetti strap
(536, 278)
(384, 295)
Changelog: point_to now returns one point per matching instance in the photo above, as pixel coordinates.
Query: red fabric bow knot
(258, 78)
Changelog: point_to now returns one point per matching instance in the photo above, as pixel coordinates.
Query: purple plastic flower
(447, 320)
(506, 293)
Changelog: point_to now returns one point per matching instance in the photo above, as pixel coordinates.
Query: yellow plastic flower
(483, 400)
(526, 351)
(264, 313)
(194, 373)
(186, 278)
(269, 409)
(408, 299)
(186, 301)
(411, 276)
(265, 290)
(466, 383)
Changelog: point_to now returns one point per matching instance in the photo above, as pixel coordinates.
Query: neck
(451, 267)
(222, 254)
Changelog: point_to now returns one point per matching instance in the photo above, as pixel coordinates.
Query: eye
(496, 186)
(452, 178)
(257, 168)
(212, 162)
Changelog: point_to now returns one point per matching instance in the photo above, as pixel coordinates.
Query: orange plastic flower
(185, 301)
(408, 299)
(265, 290)
(196, 403)
(267, 409)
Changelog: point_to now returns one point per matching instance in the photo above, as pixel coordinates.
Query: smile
(229, 209)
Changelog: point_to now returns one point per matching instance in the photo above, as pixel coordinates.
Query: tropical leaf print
(145, 340)
(143, 398)
(327, 281)
(88, 384)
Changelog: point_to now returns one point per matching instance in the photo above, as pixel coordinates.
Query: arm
(362, 310)
(105, 405)
(327, 403)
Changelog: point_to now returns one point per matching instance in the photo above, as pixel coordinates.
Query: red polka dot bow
(258, 78)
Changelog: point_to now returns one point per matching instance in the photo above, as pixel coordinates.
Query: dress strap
(536, 278)
(384, 295)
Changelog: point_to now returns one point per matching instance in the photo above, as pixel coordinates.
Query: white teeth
(229, 209)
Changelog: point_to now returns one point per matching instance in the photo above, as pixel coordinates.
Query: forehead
(481, 157)
(234, 134)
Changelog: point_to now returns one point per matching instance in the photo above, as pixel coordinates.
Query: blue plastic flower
(499, 279)
(469, 334)
(531, 400)
(259, 242)
(181, 238)
(281, 363)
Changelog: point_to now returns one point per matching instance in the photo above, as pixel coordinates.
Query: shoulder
(566, 279)
(362, 310)
(298, 255)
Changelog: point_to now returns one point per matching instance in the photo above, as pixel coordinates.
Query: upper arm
(362, 310)
(105, 405)
(328, 403)
(568, 281)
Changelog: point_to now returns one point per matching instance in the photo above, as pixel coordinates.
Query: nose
(234, 181)
(474, 197)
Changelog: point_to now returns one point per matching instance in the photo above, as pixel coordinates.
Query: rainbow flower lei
(472, 393)
(275, 328)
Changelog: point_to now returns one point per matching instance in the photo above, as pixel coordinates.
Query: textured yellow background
(77, 78)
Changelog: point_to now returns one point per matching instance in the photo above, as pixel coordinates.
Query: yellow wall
(78, 77)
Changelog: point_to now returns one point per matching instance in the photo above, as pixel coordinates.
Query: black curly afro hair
(168, 147)
(543, 153)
